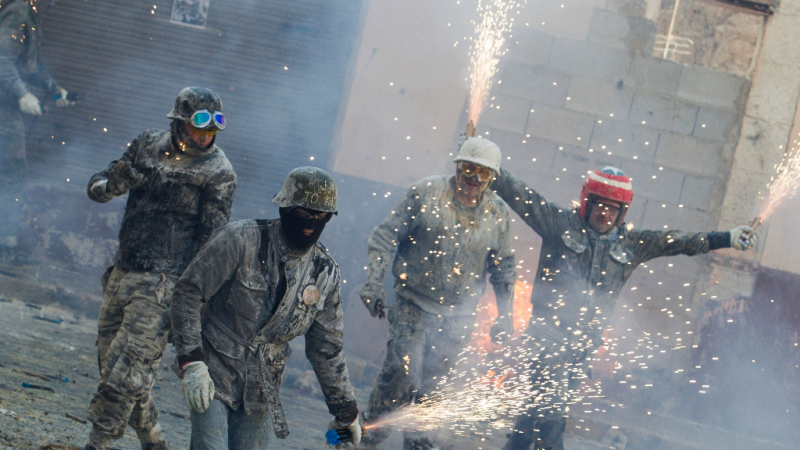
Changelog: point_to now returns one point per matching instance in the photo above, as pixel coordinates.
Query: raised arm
(216, 200)
(503, 278)
(651, 244)
(325, 351)
(117, 178)
(382, 244)
(537, 212)
(213, 265)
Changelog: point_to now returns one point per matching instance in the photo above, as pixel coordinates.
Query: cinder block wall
(562, 107)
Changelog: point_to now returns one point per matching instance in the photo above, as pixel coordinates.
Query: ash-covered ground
(37, 351)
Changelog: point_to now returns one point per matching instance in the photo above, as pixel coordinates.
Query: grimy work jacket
(581, 272)
(20, 45)
(243, 335)
(444, 249)
(184, 196)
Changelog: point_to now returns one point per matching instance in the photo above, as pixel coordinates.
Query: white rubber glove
(742, 237)
(62, 100)
(350, 434)
(198, 387)
(29, 104)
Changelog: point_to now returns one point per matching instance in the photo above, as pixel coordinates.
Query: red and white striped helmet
(609, 183)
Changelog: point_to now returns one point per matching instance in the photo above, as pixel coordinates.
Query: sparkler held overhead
(446, 235)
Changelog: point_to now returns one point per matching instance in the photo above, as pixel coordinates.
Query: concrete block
(537, 83)
(712, 87)
(651, 183)
(716, 124)
(530, 46)
(586, 59)
(506, 113)
(669, 216)
(651, 75)
(773, 96)
(663, 113)
(603, 98)
(523, 154)
(683, 267)
(634, 35)
(761, 146)
(624, 140)
(742, 198)
(688, 154)
(780, 41)
(572, 169)
(560, 125)
(696, 192)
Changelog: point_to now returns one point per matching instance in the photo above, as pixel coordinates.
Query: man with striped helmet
(587, 256)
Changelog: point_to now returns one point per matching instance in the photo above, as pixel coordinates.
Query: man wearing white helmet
(446, 234)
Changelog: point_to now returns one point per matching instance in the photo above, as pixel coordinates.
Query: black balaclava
(293, 226)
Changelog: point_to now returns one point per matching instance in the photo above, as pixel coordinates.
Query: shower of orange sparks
(487, 313)
(783, 185)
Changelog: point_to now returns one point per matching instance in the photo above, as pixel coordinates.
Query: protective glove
(742, 237)
(29, 104)
(375, 300)
(339, 434)
(61, 98)
(502, 329)
(122, 178)
(198, 387)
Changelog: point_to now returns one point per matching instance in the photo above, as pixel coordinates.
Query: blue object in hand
(333, 437)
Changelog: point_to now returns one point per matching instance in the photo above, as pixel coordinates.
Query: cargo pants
(133, 329)
(421, 346)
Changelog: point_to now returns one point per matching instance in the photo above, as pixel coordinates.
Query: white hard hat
(482, 152)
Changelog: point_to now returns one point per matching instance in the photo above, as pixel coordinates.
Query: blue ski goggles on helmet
(202, 119)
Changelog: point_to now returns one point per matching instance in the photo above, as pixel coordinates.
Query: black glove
(122, 178)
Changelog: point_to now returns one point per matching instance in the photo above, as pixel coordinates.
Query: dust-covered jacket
(184, 196)
(444, 249)
(20, 45)
(244, 333)
(581, 272)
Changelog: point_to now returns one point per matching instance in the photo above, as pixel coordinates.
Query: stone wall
(567, 106)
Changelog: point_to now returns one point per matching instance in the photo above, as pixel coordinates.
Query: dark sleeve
(719, 239)
(10, 49)
(215, 264)
(215, 205)
(325, 351)
(537, 212)
(47, 79)
(97, 184)
(651, 244)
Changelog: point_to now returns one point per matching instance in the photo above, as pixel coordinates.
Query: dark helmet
(310, 188)
(193, 99)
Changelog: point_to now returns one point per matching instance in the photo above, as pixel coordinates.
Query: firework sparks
(784, 184)
(486, 50)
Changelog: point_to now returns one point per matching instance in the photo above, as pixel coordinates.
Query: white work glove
(198, 387)
(62, 98)
(375, 300)
(742, 237)
(29, 104)
(339, 434)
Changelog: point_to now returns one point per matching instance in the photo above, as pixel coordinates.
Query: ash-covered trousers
(132, 334)
(221, 428)
(421, 346)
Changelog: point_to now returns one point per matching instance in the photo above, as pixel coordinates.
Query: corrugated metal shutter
(128, 61)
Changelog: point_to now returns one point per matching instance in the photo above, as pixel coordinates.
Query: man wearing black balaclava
(180, 187)
(263, 282)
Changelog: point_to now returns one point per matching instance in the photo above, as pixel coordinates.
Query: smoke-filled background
(696, 101)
